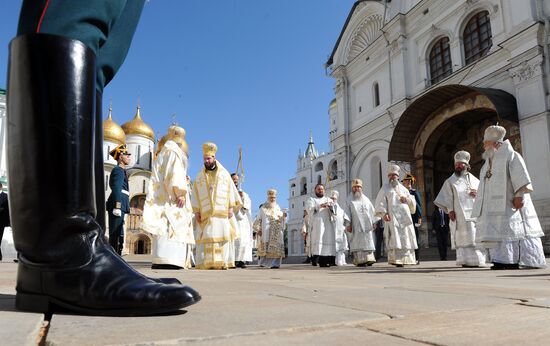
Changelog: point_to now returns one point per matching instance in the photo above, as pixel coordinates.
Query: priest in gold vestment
(215, 200)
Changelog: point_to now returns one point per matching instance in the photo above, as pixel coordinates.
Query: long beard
(357, 196)
(489, 153)
(394, 183)
(270, 205)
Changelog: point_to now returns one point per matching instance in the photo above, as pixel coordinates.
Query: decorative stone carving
(526, 70)
(364, 35)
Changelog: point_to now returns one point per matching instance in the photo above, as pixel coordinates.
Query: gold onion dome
(137, 126)
(332, 103)
(112, 131)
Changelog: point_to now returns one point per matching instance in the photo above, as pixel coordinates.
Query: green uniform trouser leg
(105, 26)
(116, 232)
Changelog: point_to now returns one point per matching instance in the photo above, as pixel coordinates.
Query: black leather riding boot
(99, 163)
(63, 258)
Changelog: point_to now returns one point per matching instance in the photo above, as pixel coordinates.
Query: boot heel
(32, 302)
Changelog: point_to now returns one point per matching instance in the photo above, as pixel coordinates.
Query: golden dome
(332, 103)
(138, 127)
(112, 131)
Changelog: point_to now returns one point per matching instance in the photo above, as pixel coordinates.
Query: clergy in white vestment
(340, 219)
(395, 205)
(215, 201)
(167, 213)
(456, 198)
(269, 226)
(244, 240)
(323, 237)
(306, 234)
(507, 223)
(361, 228)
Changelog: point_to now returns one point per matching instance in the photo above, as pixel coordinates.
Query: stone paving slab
(435, 303)
(512, 324)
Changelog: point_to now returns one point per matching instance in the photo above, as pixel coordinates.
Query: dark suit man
(118, 203)
(440, 225)
(4, 215)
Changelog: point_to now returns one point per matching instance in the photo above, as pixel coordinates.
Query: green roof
(2, 91)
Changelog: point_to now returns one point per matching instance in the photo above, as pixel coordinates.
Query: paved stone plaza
(434, 303)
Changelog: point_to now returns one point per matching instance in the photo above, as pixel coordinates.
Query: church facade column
(534, 121)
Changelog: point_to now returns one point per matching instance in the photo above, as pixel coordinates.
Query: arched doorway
(441, 122)
(141, 245)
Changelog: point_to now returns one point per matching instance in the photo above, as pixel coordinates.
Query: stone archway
(441, 122)
(141, 245)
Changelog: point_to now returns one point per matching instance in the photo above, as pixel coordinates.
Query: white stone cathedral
(418, 80)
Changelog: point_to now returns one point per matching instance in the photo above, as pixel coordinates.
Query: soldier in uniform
(118, 203)
(64, 54)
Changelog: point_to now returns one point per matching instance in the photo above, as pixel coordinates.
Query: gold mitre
(209, 149)
(176, 131)
(356, 182)
(177, 134)
(271, 193)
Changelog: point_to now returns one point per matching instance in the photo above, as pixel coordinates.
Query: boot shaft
(51, 125)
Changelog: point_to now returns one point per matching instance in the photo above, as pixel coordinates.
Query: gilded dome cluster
(113, 132)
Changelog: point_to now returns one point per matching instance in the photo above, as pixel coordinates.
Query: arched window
(334, 170)
(303, 186)
(319, 167)
(477, 37)
(440, 60)
(376, 94)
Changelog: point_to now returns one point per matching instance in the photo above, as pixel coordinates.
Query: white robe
(340, 219)
(399, 231)
(244, 241)
(171, 227)
(363, 218)
(323, 237)
(512, 235)
(455, 196)
(306, 233)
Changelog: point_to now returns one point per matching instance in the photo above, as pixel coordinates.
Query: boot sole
(46, 304)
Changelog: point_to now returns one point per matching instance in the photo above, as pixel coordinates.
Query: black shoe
(307, 260)
(498, 266)
(511, 266)
(63, 258)
(165, 266)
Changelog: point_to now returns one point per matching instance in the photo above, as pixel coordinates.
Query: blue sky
(237, 72)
